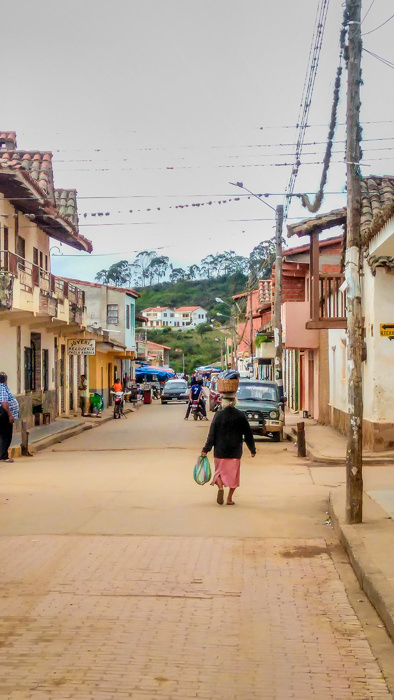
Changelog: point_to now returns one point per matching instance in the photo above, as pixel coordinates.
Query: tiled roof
(155, 308)
(27, 178)
(38, 164)
(326, 243)
(377, 208)
(66, 203)
(318, 223)
(377, 197)
(125, 290)
(8, 139)
(265, 291)
(188, 308)
(152, 345)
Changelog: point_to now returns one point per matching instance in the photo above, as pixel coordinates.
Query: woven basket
(228, 385)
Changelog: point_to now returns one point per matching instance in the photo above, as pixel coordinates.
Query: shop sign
(77, 346)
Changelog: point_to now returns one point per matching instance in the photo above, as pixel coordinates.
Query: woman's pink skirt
(228, 470)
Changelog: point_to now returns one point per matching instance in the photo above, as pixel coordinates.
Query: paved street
(121, 578)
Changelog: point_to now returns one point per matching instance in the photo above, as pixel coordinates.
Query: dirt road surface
(121, 578)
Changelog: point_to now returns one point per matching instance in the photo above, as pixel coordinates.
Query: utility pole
(251, 322)
(354, 477)
(278, 300)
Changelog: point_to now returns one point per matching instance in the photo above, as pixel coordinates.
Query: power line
(379, 27)
(387, 63)
(368, 11)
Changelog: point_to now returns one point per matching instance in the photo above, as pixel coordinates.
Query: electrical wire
(379, 27)
(368, 11)
(387, 63)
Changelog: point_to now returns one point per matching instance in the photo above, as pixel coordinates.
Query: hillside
(199, 346)
(194, 293)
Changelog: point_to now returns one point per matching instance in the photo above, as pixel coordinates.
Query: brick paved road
(175, 617)
(135, 584)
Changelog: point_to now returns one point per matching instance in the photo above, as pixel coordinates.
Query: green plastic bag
(202, 471)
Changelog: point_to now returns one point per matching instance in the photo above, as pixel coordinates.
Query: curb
(48, 441)
(371, 579)
(318, 458)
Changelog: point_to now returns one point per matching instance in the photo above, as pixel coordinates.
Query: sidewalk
(327, 445)
(44, 436)
(368, 545)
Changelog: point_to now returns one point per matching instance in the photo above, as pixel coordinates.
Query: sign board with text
(387, 330)
(77, 346)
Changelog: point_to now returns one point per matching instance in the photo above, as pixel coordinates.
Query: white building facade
(181, 318)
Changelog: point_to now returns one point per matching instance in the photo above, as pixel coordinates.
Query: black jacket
(228, 430)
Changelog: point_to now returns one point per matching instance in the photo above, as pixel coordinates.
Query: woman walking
(228, 430)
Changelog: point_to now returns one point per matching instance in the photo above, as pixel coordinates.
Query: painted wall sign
(78, 346)
(387, 330)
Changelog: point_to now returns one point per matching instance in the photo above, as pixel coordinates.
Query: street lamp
(278, 289)
(183, 359)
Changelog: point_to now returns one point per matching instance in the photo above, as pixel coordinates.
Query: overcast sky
(149, 106)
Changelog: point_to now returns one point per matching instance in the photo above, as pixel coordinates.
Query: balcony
(25, 286)
(327, 302)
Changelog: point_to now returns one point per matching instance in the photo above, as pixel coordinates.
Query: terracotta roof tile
(8, 139)
(377, 208)
(66, 202)
(125, 290)
(38, 165)
(188, 308)
(377, 197)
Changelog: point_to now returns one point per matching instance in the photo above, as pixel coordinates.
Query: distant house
(158, 355)
(159, 316)
(182, 317)
(186, 316)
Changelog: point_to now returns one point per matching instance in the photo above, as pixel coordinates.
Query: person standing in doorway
(229, 429)
(83, 395)
(9, 412)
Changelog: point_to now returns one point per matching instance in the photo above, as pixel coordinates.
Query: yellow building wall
(102, 373)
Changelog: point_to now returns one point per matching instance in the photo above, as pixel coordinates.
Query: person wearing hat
(9, 412)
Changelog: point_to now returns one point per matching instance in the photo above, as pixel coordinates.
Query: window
(28, 358)
(113, 313)
(165, 315)
(45, 369)
(127, 316)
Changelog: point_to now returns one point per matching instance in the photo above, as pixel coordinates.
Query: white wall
(379, 367)
(337, 368)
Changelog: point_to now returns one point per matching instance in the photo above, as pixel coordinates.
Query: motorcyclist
(197, 394)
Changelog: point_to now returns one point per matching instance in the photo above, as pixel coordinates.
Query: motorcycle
(156, 390)
(196, 411)
(119, 403)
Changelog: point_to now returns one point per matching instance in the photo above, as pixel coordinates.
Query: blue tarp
(150, 373)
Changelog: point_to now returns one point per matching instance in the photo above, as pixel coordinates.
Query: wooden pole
(251, 322)
(278, 301)
(354, 478)
(301, 444)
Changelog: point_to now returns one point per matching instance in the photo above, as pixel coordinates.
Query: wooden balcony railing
(328, 303)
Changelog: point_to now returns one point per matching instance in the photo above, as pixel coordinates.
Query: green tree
(262, 258)
(117, 274)
(177, 274)
(193, 272)
(158, 267)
